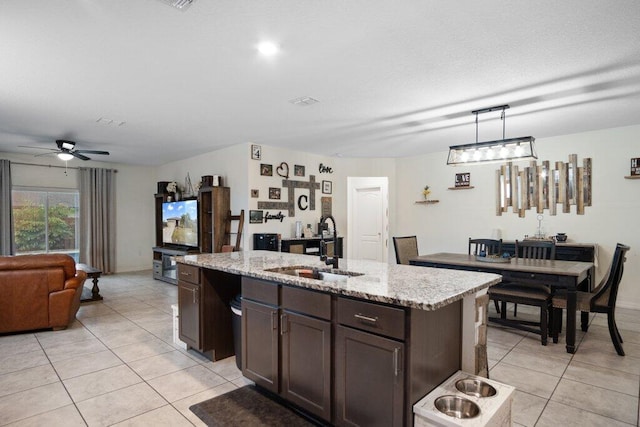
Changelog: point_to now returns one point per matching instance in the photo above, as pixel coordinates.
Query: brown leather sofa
(39, 292)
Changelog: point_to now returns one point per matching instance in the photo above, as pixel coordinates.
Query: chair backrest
(536, 249)
(406, 248)
(488, 246)
(606, 294)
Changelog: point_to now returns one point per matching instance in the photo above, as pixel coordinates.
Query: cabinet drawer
(376, 318)
(189, 273)
(304, 301)
(260, 290)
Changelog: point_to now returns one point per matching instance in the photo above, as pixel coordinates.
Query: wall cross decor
(290, 204)
(541, 187)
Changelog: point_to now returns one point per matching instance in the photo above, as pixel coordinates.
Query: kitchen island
(357, 346)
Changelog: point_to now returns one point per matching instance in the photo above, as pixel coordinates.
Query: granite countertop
(403, 285)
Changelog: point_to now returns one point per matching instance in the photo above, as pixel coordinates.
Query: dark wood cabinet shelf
(213, 214)
(205, 321)
(632, 177)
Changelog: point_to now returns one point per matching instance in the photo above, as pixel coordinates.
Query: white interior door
(368, 218)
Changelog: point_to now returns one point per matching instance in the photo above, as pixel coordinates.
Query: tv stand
(164, 263)
(213, 218)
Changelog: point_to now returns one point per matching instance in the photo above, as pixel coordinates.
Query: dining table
(554, 273)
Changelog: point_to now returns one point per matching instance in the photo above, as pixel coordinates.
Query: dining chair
(526, 293)
(601, 300)
(488, 247)
(406, 248)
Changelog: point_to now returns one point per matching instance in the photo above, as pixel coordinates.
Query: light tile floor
(593, 387)
(117, 365)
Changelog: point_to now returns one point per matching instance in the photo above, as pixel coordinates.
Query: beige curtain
(98, 218)
(6, 222)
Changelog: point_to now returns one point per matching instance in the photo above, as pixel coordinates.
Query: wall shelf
(462, 188)
(426, 202)
(632, 177)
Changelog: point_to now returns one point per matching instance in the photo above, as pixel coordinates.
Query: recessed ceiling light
(268, 48)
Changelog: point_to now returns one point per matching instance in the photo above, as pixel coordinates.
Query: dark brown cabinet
(204, 310)
(260, 344)
(189, 306)
(369, 364)
(286, 345)
(213, 206)
(369, 379)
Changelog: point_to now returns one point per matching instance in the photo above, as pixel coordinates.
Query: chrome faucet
(323, 245)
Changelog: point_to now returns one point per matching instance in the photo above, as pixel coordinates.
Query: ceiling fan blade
(38, 148)
(44, 154)
(78, 155)
(92, 152)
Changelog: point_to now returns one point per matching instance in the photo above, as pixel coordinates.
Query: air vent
(304, 101)
(178, 4)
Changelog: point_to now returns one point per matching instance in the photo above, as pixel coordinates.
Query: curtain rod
(53, 166)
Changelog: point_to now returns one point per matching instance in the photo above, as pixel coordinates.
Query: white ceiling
(394, 78)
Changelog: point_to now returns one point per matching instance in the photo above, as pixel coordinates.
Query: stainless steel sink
(325, 275)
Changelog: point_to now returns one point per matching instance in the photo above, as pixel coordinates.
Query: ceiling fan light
(65, 156)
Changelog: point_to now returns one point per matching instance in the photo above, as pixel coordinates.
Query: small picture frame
(298, 170)
(266, 170)
(255, 193)
(327, 187)
(256, 217)
(274, 193)
(256, 152)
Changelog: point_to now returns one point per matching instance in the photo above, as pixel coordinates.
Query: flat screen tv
(180, 223)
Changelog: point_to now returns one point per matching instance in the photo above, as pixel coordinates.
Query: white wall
(461, 214)
(341, 167)
(445, 226)
(135, 186)
(230, 163)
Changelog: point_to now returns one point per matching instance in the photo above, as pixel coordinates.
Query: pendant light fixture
(520, 148)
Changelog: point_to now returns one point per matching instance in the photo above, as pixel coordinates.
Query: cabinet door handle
(283, 324)
(184, 273)
(194, 291)
(274, 320)
(365, 318)
(396, 361)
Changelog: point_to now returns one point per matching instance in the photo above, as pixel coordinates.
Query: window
(46, 221)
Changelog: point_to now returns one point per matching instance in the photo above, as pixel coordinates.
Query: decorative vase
(170, 197)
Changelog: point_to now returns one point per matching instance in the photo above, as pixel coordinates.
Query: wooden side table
(94, 274)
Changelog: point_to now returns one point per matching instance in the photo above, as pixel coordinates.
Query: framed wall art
(256, 217)
(274, 193)
(298, 170)
(327, 187)
(266, 170)
(256, 152)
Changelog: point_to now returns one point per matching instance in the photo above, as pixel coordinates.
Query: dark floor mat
(247, 406)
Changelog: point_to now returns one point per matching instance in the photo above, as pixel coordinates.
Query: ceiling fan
(67, 151)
